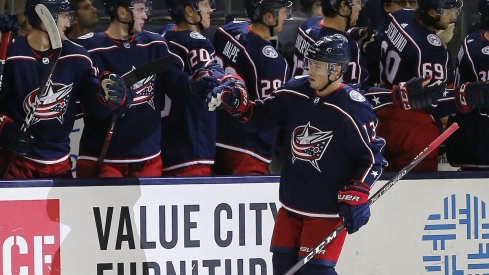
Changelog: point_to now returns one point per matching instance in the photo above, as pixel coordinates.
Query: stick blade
(51, 27)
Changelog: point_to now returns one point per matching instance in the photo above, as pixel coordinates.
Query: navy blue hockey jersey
(189, 129)
(332, 142)
(74, 78)
(263, 69)
(310, 32)
(468, 146)
(137, 133)
(409, 49)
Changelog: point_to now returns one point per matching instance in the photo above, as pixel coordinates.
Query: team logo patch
(269, 51)
(144, 90)
(308, 143)
(357, 96)
(434, 40)
(197, 35)
(52, 105)
(485, 50)
(86, 36)
(30, 237)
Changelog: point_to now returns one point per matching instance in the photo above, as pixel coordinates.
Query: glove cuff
(461, 99)
(400, 96)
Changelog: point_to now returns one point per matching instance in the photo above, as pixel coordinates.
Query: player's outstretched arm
(231, 96)
(412, 94)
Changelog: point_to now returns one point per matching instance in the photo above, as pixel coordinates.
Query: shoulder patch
(270, 52)
(357, 96)
(197, 35)
(434, 40)
(485, 50)
(86, 36)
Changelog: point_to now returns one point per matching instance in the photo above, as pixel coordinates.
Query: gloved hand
(9, 23)
(472, 95)
(203, 81)
(414, 94)
(230, 95)
(13, 139)
(447, 34)
(359, 34)
(354, 206)
(116, 94)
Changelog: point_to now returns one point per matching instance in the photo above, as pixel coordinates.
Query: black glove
(414, 94)
(9, 23)
(472, 95)
(13, 139)
(116, 94)
(354, 206)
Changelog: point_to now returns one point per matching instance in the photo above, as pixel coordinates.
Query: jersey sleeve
(363, 144)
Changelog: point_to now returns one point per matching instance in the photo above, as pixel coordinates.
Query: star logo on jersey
(308, 143)
(376, 100)
(52, 105)
(144, 90)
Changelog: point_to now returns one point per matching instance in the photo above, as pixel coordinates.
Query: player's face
(139, 15)
(282, 15)
(63, 23)
(205, 12)
(86, 15)
(355, 11)
(318, 74)
(448, 17)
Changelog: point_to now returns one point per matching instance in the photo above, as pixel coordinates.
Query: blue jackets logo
(52, 105)
(457, 237)
(308, 143)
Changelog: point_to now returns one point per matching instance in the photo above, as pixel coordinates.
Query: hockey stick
(56, 46)
(154, 67)
(388, 185)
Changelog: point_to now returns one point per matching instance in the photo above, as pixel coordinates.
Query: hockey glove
(116, 94)
(354, 206)
(13, 139)
(414, 94)
(472, 95)
(202, 82)
(9, 23)
(230, 95)
(359, 34)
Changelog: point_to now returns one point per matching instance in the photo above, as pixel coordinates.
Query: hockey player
(189, 129)
(84, 20)
(244, 49)
(339, 16)
(331, 160)
(411, 48)
(135, 146)
(468, 147)
(43, 150)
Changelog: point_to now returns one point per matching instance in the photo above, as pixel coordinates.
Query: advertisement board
(224, 226)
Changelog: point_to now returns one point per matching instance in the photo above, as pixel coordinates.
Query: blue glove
(9, 23)
(230, 95)
(203, 81)
(13, 139)
(116, 94)
(354, 206)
